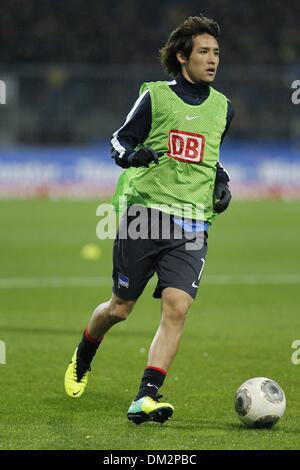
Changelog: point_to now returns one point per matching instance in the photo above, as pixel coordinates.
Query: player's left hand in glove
(222, 197)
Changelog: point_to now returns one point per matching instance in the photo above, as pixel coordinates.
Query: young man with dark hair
(169, 145)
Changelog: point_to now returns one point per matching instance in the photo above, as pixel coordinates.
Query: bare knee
(119, 308)
(175, 305)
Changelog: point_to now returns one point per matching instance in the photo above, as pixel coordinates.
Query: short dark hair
(181, 39)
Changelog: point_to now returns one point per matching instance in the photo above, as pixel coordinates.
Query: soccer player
(169, 147)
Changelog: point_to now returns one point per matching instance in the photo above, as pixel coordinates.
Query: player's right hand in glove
(143, 157)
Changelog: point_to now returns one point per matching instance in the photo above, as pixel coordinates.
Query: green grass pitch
(241, 325)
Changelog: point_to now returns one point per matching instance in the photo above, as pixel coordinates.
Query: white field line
(214, 279)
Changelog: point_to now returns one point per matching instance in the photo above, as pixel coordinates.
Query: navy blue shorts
(136, 260)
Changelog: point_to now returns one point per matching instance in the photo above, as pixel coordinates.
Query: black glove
(222, 197)
(143, 157)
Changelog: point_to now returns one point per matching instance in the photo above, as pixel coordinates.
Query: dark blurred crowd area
(130, 31)
(78, 63)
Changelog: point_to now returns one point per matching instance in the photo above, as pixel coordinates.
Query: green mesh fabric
(190, 138)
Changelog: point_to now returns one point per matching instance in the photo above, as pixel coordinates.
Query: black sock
(87, 347)
(152, 380)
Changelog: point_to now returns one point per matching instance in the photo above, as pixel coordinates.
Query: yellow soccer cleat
(149, 409)
(76, 377)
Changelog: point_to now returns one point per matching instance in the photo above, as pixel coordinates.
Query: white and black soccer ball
(260, 402)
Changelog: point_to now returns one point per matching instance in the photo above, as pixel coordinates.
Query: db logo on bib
(186, 146)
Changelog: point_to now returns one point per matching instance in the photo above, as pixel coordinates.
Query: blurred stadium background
(73, 70)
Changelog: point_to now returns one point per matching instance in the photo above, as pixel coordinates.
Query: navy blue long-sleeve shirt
(137, 125)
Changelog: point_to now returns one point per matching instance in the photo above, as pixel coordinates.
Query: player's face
(203, 62)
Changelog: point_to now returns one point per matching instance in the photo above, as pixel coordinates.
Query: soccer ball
(260, 402)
